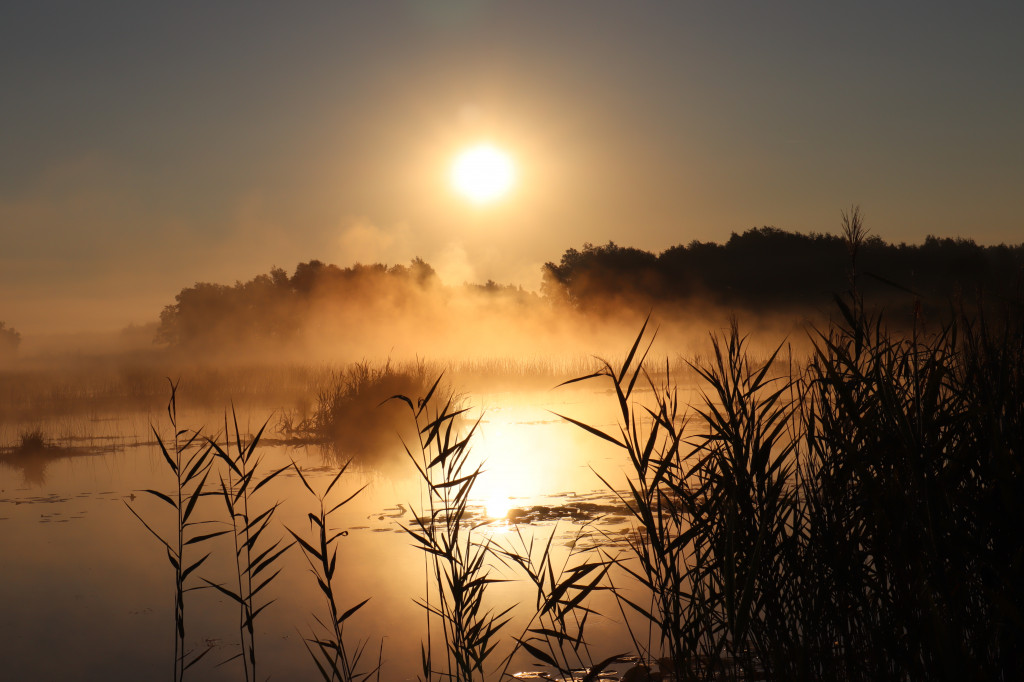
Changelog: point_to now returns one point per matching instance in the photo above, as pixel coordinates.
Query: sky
(147, 146)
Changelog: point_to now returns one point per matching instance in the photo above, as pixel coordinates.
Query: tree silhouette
(771, 269)
(10, 339)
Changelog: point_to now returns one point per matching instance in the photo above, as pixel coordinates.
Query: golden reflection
(497, 507)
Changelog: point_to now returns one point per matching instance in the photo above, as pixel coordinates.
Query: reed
(189, 460)
(905, 486)
(743, 517)
(852, 518)
(255, 558)
(457, 574)
(31, 441)
(348, 413)
(661, 547)
(847, 520)
(556, 633)
(327, 648)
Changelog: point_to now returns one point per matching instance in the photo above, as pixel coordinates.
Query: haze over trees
(765, 270)
(273, 306)
(10, 339)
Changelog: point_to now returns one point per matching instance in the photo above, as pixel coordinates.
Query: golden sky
(147, 146)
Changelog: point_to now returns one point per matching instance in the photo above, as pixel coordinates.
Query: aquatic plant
(189, 459)
(667, 557)
(31, 441)
(855, 519)
(254, 561)
(742, 516)
(556, 633)
(456, 572)
(348, 412)
(328, 649)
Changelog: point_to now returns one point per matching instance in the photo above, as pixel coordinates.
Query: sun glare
(497, 506)
(483, 173)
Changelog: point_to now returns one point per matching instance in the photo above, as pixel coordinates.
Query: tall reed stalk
(457, 574)
(254, 559)
(190, 461)
(330, 654)
(744, 517)
(663, 556)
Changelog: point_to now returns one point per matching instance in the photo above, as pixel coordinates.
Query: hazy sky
(145, 146)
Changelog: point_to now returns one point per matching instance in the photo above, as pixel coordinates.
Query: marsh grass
(910, 476)
(189, 460)
(853, 519)
(457, 573)
(555, 635)
(255, 557)
(327, 648)
(666, 556)
(352, 413)
(31, 441)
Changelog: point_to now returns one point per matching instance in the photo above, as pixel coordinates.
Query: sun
(483, 173)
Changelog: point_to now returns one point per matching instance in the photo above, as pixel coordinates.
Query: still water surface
(87, 593)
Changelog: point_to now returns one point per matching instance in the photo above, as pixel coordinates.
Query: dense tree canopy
(764, 269)
(274, 306)
(772, 268)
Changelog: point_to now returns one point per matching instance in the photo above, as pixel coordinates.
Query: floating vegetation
(35, 451)
(352, 413)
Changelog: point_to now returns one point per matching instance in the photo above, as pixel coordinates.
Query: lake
(87, 592)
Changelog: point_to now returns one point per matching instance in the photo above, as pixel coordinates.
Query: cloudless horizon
(146, 147)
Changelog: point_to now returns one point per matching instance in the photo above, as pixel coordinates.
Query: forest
(764, 270)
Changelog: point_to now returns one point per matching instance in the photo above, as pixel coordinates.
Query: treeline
(771, 268)
(272, 307)
(765, 270)
(10, 339)
(275, 308)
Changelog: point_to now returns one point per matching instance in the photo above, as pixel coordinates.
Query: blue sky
(146, 146)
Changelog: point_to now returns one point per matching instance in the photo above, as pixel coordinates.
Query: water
(87, 592)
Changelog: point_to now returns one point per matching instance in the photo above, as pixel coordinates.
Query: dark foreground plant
(857, 520)
(658, 499)
(189, 460)
(457, 576)
(327, 648)
(707, 513)
(743, 514)
(254, 560)
(556, 634)
(911, 473)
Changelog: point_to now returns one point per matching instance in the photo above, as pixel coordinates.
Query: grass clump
(30, 442)
(352, 412)
(910, 473)
(854, 520)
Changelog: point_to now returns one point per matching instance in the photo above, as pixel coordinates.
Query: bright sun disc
(483, 173)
